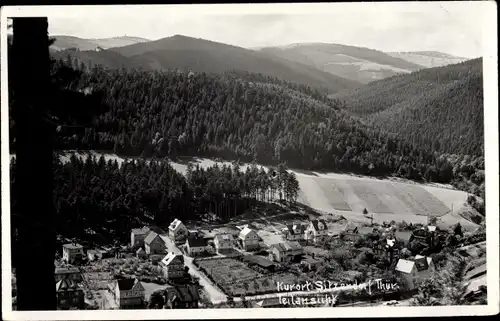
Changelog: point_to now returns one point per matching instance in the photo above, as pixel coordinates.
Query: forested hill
(199, 55)
(439, 109)
(169, 114)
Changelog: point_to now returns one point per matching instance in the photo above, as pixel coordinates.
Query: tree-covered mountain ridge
(437, 108)
(200, 55)
(226, 115)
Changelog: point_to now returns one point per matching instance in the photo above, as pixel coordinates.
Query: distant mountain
(199, 55)
(428, 59)
(440, 108)
(70, 42)
(356, 63)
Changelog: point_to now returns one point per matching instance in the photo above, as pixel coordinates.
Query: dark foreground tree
(34, 239)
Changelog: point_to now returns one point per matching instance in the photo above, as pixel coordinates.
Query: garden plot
(235, 277)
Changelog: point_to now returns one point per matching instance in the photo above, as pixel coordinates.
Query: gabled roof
(405, 266)
(129, 284)
(244, 232)
(175, 225)
(310, 260)
(428, 261)
(139, 231)
(259, 260)
(390, 242)
(295, 229)
(287, 246)
(66, 270)
(316, 225)
(150, 238)
(223, 237)
(431, 228)
(183, 293)
(421, 264)
(172, 258)
(195, 241)
(73, 246)
(66, 284)
(140, 251)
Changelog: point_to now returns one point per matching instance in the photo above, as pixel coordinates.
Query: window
(63, 301)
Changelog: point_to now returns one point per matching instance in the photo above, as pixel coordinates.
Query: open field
(347, 195)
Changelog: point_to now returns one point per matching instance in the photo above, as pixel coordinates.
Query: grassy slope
(356, 63)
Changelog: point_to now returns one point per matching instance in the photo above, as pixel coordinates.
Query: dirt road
(216, 295)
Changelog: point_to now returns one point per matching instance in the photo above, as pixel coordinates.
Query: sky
(450, 27)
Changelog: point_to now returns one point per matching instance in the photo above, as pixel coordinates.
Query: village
(187, 265)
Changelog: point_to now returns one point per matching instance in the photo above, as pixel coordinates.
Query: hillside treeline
(220, 115)
(101, 200)
(438, 109)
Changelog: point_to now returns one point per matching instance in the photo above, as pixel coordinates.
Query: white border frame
(490, 76)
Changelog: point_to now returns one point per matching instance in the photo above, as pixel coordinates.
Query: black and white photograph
(197, 161)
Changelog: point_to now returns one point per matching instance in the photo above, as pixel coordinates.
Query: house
(294, 232)
(154, 244)
(260, 262)
(69, 295)
(196, 245)
(173, 266)
(94, 255)
(316, 231)
(311, 263)
(137, 236)
(286, 251)
(391, 249)
(415, 271)
(69, 273)
(140, 253)
(351, 232)
(249, 239)
(128, 293)
(223, 242)
(185, 296)
(177, 231)
(72, 252)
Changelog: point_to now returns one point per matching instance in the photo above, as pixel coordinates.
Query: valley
(186, 173)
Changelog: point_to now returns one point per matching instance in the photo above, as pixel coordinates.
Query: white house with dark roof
(223, 242)
(154, 244)
(69, 295)
(286, 251)
(173, 266)
(177, 231)
(294, 232)
(249, 239)
(196, 245)
(128, 293)
(415, 271)
(72, 252)
(137, 236)
(316, 231)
